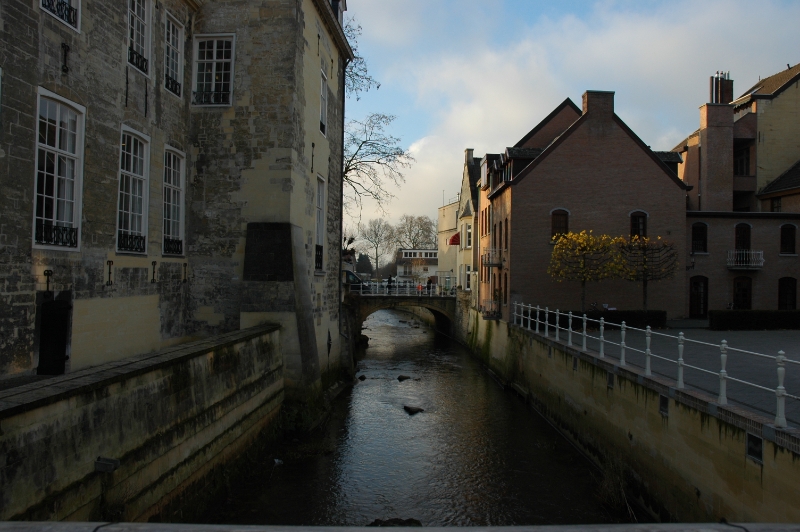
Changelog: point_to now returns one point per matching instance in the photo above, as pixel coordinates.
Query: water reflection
(475, 456)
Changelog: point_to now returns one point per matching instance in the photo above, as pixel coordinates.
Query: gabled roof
(474, 179)
(771, 86)
(788, 180)
(685, 142)
(540, 125)
(669, 156)
(467, 212)
(523, 153)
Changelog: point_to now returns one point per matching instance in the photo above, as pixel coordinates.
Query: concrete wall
(172, 418)
(689, 465)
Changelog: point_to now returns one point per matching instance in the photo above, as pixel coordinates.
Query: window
(469, 236)
(137, 34)
(320, 223)
(323, 103)
(559, 223)
(173, 203)
(638, 224)
(742, 237)
(788, 233)
(132, 206)
(775, 205)
(406, 269)
(469, 275)
(67, 11)
(787, 293)
(699, 238)
(741, 161)
(59, 170)
(742, 293)
(173, 56)
(505, 238)
(505, 289)
(213, 79)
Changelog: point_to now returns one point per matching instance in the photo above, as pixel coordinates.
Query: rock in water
(395, 521)
(362, 377)
(402, 378)
(413, 410)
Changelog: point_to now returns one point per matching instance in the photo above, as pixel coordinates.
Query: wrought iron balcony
(211, 98)
(173, 246)
(56, 235)
(490, 310)
(130, 242)
(62, 10)
(745, 259)
(137, 60)
(491, 257)
(318, 257)
(172, 85)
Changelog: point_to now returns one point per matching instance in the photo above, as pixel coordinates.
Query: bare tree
(356, 76)
(648, 260)
(415, 232)
(373, 160)
(376, 239)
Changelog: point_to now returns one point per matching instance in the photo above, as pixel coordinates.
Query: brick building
(169, 170)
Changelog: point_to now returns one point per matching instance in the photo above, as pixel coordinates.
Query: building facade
(448, 243)
(417, 266)
(173, 172)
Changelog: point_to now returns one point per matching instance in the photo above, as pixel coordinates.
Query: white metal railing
(745, 259)
(490, 257)
(541, 320)
(373, 288)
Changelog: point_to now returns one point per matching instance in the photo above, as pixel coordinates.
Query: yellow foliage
(586, 257)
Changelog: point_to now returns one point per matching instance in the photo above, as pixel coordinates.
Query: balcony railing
(173, 246)
(491, 257)
(490, 310)
(137, 60)
(745, 259)
(56, 235)
(211, 98)
(318, 258)
(172, 85)
(129, 242)
(62, 10)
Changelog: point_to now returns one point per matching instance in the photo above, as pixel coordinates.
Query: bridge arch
(442, 308)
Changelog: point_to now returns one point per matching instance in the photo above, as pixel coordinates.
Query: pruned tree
(356, 76)
(373, 160)
(645, 260)
(585, 257)
(415, 232)
(376, 238)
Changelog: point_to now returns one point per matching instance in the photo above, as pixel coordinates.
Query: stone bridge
(359, 307)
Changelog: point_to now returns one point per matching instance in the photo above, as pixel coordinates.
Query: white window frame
(148, 19)
(169, 19)
(468, 284)
(195, 54)
(145, 139)
(182, 202)
(77, 212)
(77, 6)
(323, 103)
(469, 236)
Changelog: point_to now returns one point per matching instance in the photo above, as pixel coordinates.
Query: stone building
(170, 170)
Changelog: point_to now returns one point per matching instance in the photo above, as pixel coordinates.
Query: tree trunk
(583, 297)
(644, 294)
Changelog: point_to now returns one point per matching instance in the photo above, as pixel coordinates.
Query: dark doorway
(742, 293)
(698, 297)
(787, 293)
(53, 337)
(742, 237)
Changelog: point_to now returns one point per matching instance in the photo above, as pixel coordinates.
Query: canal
(476, 455)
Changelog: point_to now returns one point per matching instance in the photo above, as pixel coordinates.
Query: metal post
(622, 344)
(584, 332)
(569, 333)
(723, 375)
(537, 319)
(780, 393)
(558, 329)
(530, 311)
(514, 314)
(680, 361)
(602, 340)
(547, 321)
(647, 352)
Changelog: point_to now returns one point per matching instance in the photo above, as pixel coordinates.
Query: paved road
(753, 369)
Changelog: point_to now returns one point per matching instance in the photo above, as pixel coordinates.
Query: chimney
(468, 156)
(598, 102)
(721, 88)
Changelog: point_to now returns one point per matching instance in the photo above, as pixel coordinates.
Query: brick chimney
(468, 156)
(721, 88)
(716, 157)
(598, 102)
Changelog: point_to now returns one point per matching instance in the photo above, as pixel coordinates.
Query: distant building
(417, 265)
(448, 242)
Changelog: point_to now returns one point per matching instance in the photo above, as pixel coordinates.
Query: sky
(480, 74)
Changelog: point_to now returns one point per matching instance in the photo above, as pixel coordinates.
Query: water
(477, 455)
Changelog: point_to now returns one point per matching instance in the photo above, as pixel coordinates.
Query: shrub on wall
(743, 320)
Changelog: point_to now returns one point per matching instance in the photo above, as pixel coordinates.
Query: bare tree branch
(356, 76)
(415, 232)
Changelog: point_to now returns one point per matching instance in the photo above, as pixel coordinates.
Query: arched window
(638, 224)
(699, 237)
(742, 293)
(506, 235)
(698, 297)
(788, 233)
(559, 223)
(505, 289)
(787, 293)
(742, 237)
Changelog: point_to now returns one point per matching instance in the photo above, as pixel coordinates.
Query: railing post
(723, 375)
(622, 344)
(514, 314)
(537, 319)
(680, 361)
(602, 340)
(780, 393)
(558, 329)
(569, 331)
(530, 311)
(647, 352)
(547, 321)
(584, 332)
